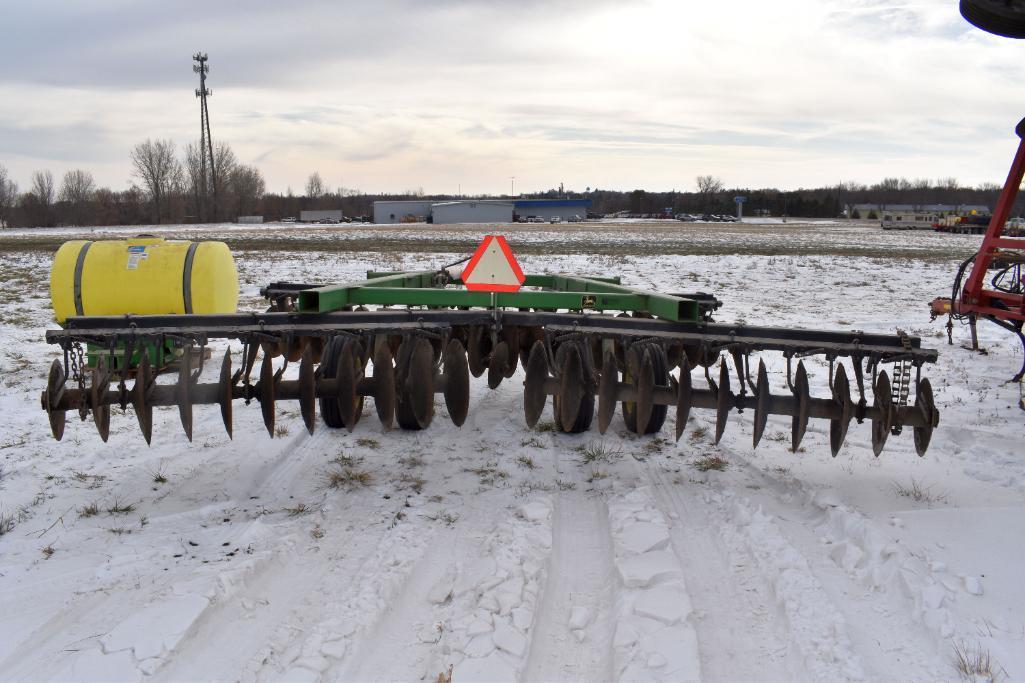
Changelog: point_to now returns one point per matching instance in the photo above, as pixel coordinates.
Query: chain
(77, 368)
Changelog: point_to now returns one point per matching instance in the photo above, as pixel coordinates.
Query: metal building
(417, 211)
(478, 210)
(446, 213)
(329, 214)
(563, 209)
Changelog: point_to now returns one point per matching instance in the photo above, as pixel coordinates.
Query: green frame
(546, 292)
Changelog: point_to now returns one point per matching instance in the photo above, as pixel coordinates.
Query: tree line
(172, 187)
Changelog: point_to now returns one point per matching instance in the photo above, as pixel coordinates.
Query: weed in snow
(711, 462)
(120, 508)
(974, 664)
(918, 493)
(349, 477)
(599, 451)
(90, 510)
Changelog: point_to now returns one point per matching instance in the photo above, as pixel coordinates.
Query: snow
(238, 562)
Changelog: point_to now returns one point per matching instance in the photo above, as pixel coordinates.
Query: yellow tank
(142, 276)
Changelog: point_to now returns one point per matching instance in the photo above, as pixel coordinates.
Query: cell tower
(206, 144)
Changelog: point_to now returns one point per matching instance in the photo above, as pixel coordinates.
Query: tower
(206, 145)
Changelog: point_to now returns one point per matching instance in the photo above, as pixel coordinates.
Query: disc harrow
(426, 336)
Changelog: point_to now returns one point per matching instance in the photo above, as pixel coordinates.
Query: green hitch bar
(545, 292)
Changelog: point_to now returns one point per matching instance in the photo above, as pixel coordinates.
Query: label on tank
(136, 253)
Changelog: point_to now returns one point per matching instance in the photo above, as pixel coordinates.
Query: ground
(498, 552)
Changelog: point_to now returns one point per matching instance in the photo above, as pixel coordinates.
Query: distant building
(478, 210)
(448, 213)
(310, 216)
(249, 219)
(864, 210)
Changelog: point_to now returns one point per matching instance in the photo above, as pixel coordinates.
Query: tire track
(576, 618)
(740, 634)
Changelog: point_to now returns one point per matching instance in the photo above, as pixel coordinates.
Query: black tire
(660, 364)
(328, 366)
(585, 415)
(999, 17)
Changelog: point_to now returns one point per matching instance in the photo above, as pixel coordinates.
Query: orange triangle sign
(493, 268)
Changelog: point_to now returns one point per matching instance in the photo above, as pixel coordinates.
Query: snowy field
(504, 553)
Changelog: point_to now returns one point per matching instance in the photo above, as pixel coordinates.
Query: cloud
(406, 93)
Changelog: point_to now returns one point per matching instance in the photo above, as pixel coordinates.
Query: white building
(478, 210)
(416, 211)
(310, 216)
(448, 213)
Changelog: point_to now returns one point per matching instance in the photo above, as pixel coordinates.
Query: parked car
(575, 219)
(555, 219)
(290, 219)
(537, 219)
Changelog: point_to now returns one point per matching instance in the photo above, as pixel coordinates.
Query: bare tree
(155, 165)
(249, 187)
(38, 203)
(77, 191)
(196, 184)
(8, 195)
(708, 187)
(314, 186)
(42, 187)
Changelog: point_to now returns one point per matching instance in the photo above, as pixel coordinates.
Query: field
(497, 552)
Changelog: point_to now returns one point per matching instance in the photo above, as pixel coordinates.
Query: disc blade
(842, 399)
(307, 389)
(534, 396)
(476, 350)
(98, 399)
(924, 403)
(183, 392)
(140, 397)
(799, 422)
(267, 393)
(497, 365)
(882, 404)
(607, 389)
(384, 385)
(348, 379)
(420, 382)
(571, 386)
(645, 392)
(457, 382)
(724, 400)
(51, 399)
(684, 397)
(762, 397)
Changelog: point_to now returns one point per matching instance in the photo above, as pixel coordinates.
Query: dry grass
(348, 477)
(533, 442)
(412, 481)
(599, 451)
(364, 442)
(711, 462)
(6, 522)
(298, 509)
(120, 508)
(919, 493)
(698, 433)
(526, 462)
(545, 426)
(48, 552)
(974, 664)
(90, 510)
(489, 473)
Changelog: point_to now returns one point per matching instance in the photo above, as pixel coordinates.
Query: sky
(499, 96)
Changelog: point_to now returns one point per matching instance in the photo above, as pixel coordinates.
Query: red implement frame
(975, 298)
